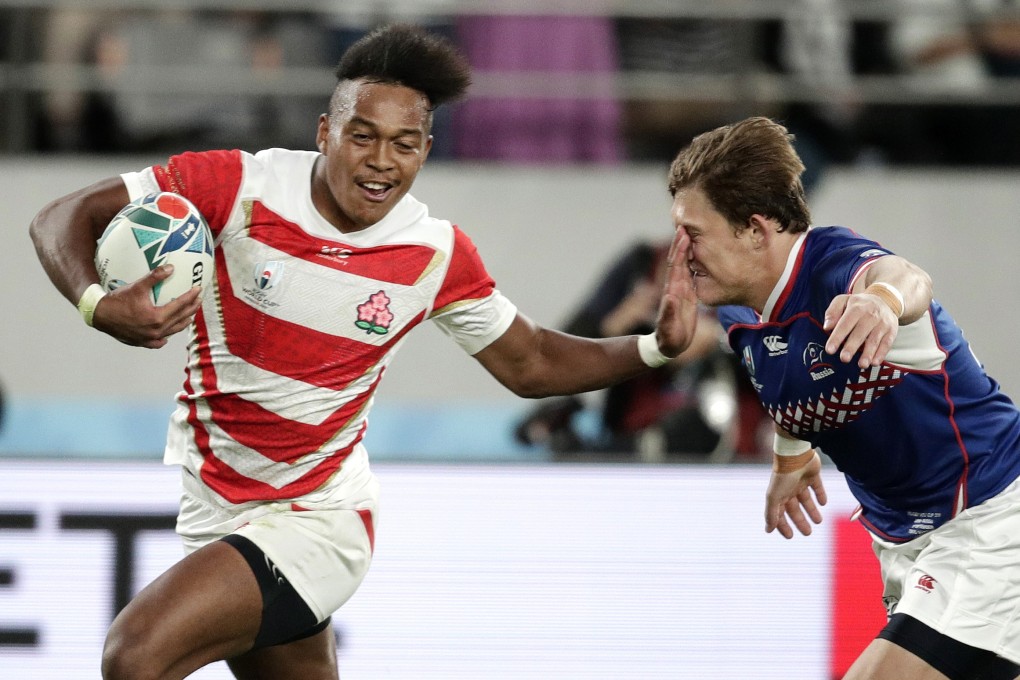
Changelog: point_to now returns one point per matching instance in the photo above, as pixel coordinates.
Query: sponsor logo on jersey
(926, 583)
(775, 345)
(266, 276)
(374, 316)
(814, 359)
(872, 252)
(333, 253)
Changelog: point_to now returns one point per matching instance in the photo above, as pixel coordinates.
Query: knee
(125, 656)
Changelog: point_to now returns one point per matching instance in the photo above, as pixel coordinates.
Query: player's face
(723, 261)
(374, 147)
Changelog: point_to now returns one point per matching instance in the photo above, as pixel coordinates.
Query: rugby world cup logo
(268, 274)
(749, 361)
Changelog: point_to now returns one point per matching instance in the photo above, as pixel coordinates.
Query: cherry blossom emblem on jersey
(374, 316)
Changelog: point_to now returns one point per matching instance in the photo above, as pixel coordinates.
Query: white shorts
(962, 579)
(324, 552)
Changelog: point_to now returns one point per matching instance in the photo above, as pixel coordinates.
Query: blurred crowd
(134, 81)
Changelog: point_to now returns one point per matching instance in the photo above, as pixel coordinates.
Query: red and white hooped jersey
(290, 344)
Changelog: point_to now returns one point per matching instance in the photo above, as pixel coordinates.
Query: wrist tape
(890, 295)
(790, 454)
(89, 299)
(648, 348)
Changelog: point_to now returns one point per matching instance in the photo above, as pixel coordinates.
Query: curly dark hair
(408, 55)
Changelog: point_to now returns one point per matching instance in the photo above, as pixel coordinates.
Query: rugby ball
(161, 228)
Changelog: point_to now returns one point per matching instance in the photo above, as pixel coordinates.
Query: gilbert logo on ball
(161, 228)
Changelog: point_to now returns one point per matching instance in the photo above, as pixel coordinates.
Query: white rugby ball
(161, 228)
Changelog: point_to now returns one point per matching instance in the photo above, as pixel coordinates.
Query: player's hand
(678, 309)
(791, 498)
(860, 322)
(128, 314)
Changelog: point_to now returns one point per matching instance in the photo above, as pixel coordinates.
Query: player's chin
(706, 292)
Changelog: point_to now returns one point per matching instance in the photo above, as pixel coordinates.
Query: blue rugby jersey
(921, 437)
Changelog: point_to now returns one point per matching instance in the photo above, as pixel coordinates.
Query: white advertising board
(481, 572)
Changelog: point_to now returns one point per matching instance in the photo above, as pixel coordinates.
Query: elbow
(35, 231)
(528, 388)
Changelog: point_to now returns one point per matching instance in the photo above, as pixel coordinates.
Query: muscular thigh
(204, 608)
(311, 658)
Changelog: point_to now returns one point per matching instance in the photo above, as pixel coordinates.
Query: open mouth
(375, 191)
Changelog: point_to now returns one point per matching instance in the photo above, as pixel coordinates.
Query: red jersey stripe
(402, 264)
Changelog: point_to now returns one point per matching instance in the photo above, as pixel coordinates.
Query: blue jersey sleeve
(840, 256)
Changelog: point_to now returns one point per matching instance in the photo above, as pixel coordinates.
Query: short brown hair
(744, 169)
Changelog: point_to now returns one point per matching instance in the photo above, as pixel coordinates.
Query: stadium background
(519, 568)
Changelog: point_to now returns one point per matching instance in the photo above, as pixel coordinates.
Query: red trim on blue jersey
(788, 288)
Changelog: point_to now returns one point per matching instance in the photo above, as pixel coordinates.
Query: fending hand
(678, 309)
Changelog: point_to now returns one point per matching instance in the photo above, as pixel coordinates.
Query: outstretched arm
(892, 293)
(533, 361)
(65, 233)
(795, 485)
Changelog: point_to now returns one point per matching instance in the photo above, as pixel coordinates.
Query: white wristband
(648, 348)
(89, 299)
(784, 446)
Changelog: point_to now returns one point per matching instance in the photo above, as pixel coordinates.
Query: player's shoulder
(733, 315)
(822, 240)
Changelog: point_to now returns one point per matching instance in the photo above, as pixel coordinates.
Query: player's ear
(758, 230)
(428, 147)
(322, 133)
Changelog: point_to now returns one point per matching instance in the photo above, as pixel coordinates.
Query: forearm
(569, 365)
(912, 283)
(535, 362)
(65, 231)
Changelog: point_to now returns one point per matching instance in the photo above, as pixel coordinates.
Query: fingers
(129, 315)
(798, 511)
(780, 517)
(156, 275)
(775, 518)
(678, 248)
(859, 323)
(819, 490)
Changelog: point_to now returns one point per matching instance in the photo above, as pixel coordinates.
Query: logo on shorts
(926, 583)
(275, 571)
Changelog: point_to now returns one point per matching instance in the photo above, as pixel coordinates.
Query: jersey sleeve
(209, 179)
(468, 307)
(847, 257)
(475, 325)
